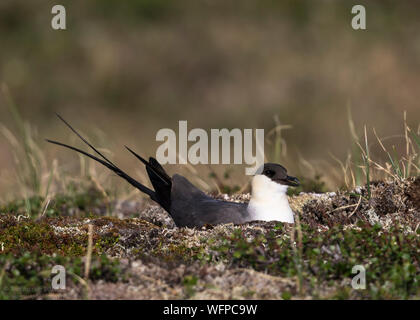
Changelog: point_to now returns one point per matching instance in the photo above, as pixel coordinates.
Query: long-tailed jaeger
(190, 207)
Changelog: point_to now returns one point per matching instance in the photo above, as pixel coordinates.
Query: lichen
(147, 256)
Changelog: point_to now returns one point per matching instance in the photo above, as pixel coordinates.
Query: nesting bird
(190, 207)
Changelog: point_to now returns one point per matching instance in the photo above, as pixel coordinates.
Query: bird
(190, 207)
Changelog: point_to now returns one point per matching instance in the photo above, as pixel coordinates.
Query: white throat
(269, 201)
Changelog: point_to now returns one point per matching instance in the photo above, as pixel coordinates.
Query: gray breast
(191, 207)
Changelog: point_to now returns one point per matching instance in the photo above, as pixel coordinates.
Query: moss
(58, 236)
(189, 282)
(31, 205)
(179, 253)
(106, 269)
(413, 193)
(107, 241)
(30, 275)
(40, 238)
(331, 245)
(118, 224)
(391, 259)
(77, 202)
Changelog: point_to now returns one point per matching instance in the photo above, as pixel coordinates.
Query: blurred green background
(125, 69)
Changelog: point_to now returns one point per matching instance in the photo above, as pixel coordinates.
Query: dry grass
(199, 62)
(38, 175)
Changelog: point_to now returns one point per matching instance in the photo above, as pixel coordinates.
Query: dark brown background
(125, 69)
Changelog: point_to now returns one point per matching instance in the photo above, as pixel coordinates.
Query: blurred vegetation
(391, 259)
(319, 262)
(339, 108)
(125, 69)
(29, 275)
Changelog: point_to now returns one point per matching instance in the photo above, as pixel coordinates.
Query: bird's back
(191, 207)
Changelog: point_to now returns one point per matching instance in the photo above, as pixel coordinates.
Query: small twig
(383, 169)
(89, 251)
(83, 282)
(343, 168)
(357, 206)
(46, 207)
(3, 271)
(101, 190)
(343, 207)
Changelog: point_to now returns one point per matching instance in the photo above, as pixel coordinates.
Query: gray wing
(190, 207)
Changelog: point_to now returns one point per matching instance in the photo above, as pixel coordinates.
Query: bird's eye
(269, 173)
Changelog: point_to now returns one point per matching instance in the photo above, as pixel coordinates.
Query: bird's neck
(269, 201)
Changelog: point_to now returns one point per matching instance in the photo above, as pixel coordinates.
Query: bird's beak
(292, 181)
